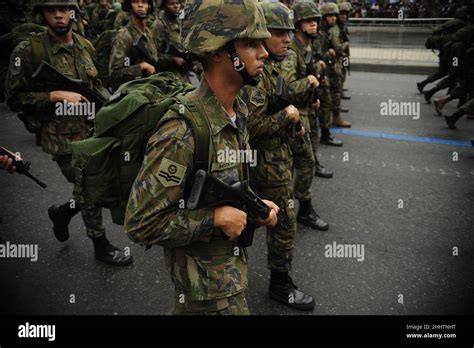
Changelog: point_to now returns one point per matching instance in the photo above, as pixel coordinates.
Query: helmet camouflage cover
(345, 6)
(278, 16)
(127, 6)
(209, 25)
(38, 4)
(305, 10)
(329, 9)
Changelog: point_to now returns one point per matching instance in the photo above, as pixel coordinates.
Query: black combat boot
(107, 253)
(61, 215)
(283, 290)
(307, 216)
(328, 139)
(322, 172)
(421, 85)
(451, 120)
(430, 93)
(345, 96)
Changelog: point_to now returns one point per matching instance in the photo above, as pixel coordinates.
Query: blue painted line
(370, 134)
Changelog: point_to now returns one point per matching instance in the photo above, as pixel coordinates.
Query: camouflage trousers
(335, 81)
(325, 110)
(92, 216)
(304, 162)
(281, 237)
(315, 135)
(233, 305)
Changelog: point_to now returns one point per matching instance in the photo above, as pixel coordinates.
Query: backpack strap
(38, 50)
(201, 131)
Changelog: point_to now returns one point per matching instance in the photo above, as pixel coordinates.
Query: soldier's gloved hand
(272, 219)
(69, 97)
(293, 113)
(7, 164)
(230, 220)
(313, 81)
(332, 52)
(147, 68)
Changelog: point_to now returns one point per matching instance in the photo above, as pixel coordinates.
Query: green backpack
(107, 163)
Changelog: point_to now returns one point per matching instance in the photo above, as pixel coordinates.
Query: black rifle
(48, 78)
(140, 45)
(311, 70)
(208, 191)
(21, 168)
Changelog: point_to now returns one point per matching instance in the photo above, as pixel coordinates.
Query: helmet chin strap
(274, 57)
(239, 66)
(308, 35)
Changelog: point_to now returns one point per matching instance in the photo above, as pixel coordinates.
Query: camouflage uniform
(208, 272)
(193, 247)
(99, 19)
(120, 69)
(56, 131)
(294, 71)
(166, 32)
(331, 38)
(272, 177)
(121, 20)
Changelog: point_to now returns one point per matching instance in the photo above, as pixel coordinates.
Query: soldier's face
(331, 20)
(140, 8)
(173, 7)
(310, 26)
(58, 19)
(279, 42)
(253, 54)
(342, 17)
(104, 3)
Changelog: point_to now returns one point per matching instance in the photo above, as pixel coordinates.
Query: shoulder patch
(257, 98)
(171, 173)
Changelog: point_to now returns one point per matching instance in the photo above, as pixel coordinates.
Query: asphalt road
(408, 251)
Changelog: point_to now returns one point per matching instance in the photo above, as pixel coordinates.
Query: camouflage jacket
(268, 133)
(294, 71)
(22, 95)
(166, 31)
(121, 20)
(202, 263)
(99, 19)
(331, 38)
(124, 64)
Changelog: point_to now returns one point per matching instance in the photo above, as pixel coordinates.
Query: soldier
(127, 62)
(166, 31)
(295, 70)
(342, 22)
(99, 17)
(324, 113)
(72, 55)
(331, 43)
(273, 175)
(440, 40)
(208, 271)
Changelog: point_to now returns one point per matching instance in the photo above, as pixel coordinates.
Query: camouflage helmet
(127, 6)
(461, 13)
(209, 25)
(305, 10)
(329, 9)
(278, 16)
(39, 4)
(345, 7)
